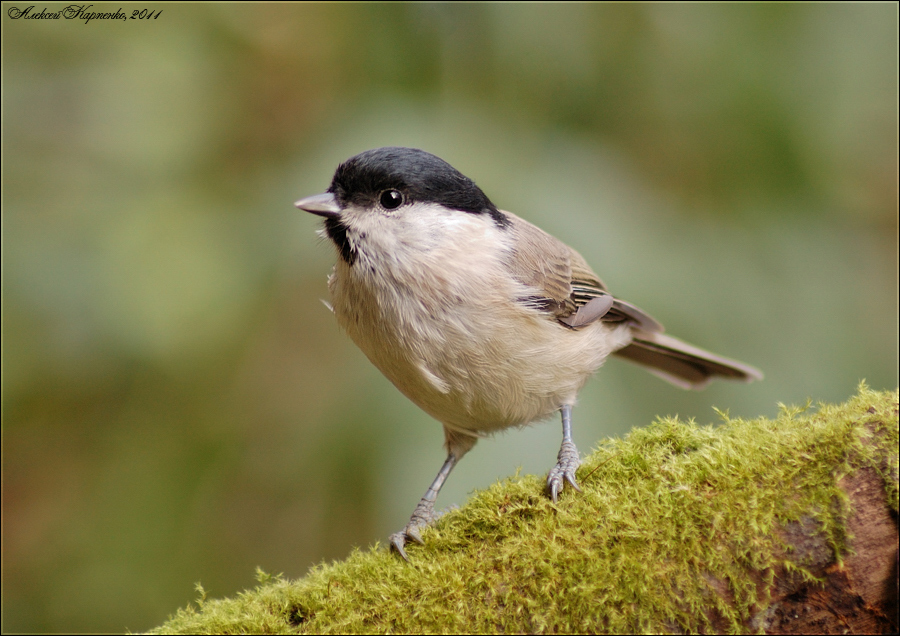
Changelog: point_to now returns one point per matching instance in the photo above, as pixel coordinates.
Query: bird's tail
(682, 364)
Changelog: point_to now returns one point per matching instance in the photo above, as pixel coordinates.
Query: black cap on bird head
(419, 176)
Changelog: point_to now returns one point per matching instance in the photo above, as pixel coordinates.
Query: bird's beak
(321, 204)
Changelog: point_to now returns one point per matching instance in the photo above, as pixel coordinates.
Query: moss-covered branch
(785, 525)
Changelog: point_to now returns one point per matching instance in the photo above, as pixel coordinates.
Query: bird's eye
(391, 199)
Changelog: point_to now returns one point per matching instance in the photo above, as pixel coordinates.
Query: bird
(479, 317)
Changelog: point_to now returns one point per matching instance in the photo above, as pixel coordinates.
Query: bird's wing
(543, 263)
(568, 288)
(572, 293)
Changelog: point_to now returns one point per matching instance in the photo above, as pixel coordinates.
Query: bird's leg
(567, 461)
(424, 513)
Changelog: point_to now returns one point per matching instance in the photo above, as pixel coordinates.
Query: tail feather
(682, 364)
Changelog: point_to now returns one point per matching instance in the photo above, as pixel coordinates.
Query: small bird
(479, 317)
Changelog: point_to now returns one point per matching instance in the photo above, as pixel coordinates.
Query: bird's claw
(423, 516)
(412, 532)
(398, 541)
(567, 463)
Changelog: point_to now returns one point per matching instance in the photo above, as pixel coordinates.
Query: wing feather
(565, 281)
(570, 291)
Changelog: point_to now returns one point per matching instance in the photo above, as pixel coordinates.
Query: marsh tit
(479, 317)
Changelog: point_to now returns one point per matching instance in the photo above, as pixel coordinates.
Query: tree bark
(857, 596)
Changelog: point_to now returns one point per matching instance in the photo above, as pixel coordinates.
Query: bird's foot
(423, 516)
(567, 463)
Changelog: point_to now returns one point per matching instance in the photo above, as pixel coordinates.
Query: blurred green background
(179, 407)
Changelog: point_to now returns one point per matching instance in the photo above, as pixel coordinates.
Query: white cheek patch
(414, 235)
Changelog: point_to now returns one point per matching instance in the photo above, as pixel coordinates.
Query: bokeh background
(179, 407)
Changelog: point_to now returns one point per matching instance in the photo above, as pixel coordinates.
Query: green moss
(677, 526)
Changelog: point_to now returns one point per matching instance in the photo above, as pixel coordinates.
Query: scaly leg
(424, 513)
(567, 461)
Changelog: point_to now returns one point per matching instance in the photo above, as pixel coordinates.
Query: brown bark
(858, 596)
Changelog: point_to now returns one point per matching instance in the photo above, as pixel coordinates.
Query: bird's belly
(479, 368)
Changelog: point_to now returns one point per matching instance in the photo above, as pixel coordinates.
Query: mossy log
(749, 526)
